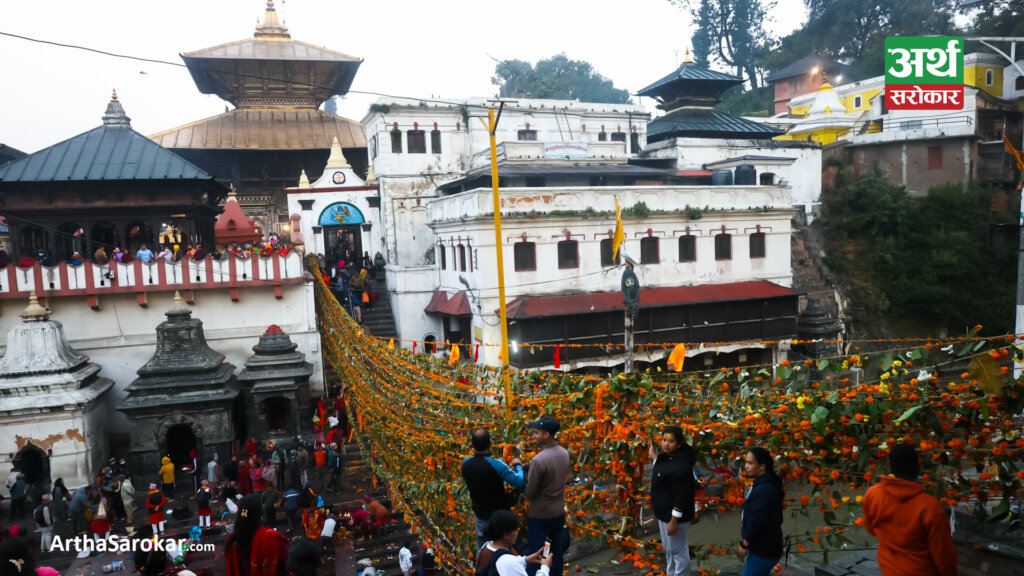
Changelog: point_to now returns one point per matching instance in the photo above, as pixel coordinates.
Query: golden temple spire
(271, 28)
(113, 97)
(688, 57)
(303, 180)
(337, 158)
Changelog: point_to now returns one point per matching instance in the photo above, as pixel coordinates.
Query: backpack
(491, 568)
(203, 499)
(40, 517)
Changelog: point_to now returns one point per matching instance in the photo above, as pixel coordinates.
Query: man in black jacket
(486, 478)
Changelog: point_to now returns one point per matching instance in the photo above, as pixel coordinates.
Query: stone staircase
(381, 320)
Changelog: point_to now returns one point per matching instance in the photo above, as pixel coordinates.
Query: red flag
(558, 356)
(476, 353)
(413, 346)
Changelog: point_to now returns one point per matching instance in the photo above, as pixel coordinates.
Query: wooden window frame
(728, 238)
(444, 257)
(576, 254)
(649, 240)
(396, 141)
(462, 258)
(435, 141)
(935, 157)
(614, 261)
(527, 135)
(515, 255)
(754, 237)
(416, 142)
(690, 238)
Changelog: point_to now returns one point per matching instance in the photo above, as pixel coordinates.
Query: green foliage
(758, 102)
(854, 31)
(558, 78)
(925, 263)
(997, 18)
(731, 32)
(638, 210)
(331, 106)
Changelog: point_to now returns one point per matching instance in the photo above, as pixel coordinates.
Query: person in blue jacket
(762, 515)
(673, 493)
(486, 478)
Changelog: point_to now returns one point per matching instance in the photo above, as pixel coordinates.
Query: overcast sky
(410, 48)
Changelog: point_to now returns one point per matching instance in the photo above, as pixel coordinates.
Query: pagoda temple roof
(112, 151)
(690, 85)
(706, 123)
(265, 129)
(271, 69)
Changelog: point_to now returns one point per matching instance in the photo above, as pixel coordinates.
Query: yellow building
(826, 118)
(984, 71)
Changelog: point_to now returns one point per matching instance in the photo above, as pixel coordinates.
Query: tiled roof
(265, 129)
(109, 152)
(706, 123)
(598, 302)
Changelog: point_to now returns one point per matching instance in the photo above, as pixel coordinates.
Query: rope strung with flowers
(830, 424)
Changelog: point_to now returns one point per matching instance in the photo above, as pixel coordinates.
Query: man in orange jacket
(913, 533)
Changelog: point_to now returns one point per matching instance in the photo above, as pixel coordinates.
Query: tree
(998, 18)
(331, 106)
(557, 77)
(731, 32)
(854, 31)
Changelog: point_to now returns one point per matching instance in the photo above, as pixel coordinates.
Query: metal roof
(265, 129)
(598, 302)
(753, 158)
(689, 71)
(256, 49)
(706, 123)
(109, 152)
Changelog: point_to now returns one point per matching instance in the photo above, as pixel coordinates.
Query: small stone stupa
(275, 382)
(51, 412)
(183, 399)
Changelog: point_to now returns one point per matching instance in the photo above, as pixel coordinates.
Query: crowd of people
(168, 252)
(914, 535)
(353, 280)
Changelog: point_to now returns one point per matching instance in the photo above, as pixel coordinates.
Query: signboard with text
(565, 149)
(924, 73)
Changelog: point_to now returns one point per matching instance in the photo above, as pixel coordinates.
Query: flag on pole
(454, 355)
(1016, 153)
(619, 236)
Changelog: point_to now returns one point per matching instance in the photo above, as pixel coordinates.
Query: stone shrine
(185, 398)
(51, 409)
(275, 383)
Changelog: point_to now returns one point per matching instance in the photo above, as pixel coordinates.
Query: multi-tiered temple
(276, 129)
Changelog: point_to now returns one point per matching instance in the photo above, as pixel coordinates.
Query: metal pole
(629, 342)
(492, 126)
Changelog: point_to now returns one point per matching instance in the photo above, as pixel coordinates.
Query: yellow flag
(676, 358)
(1016, 153)
(454, 355)
(619, 236)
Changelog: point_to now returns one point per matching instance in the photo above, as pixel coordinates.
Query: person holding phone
(673, 491)
(497, 558)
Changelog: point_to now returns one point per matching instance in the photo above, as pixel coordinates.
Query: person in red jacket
(155, 501)
(913, 533)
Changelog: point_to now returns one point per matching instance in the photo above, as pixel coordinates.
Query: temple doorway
(345, 239)
(180, 441)
(35, 465)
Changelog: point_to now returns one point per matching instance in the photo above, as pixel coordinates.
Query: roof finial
(34, 312)
(115, 115)
(303, 180)
(337, 158)
(688, 57)
(179, 308)
(271, 28)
